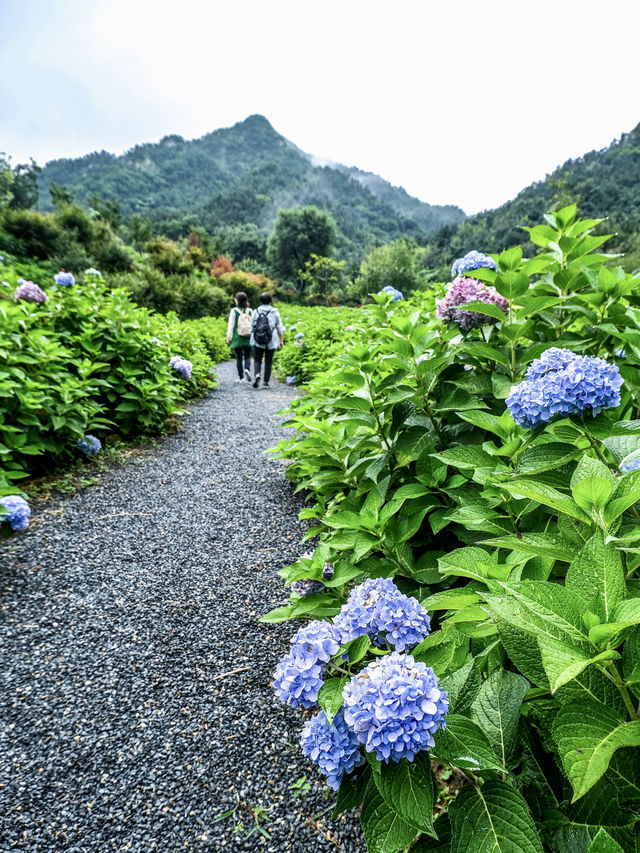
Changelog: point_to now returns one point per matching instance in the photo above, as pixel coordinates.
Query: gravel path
(125, 610)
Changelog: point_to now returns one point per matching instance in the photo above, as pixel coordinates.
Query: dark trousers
(257, 361)
(243, 359)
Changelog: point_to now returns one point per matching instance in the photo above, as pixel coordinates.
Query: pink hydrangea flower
(462, 290)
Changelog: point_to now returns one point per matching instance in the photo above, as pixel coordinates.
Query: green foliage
(89, 360)
(523, 545)
(395, 264)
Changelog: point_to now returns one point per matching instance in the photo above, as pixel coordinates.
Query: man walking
(267, 334)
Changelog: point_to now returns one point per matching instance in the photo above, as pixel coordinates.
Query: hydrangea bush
(29, 292)
(15, 511)
(463, 290)
(90, 445)
(64, 278)
(493, 478)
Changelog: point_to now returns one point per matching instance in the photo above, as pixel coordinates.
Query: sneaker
(247, 374)
(237, 382)
(256, 381)
(266, 385)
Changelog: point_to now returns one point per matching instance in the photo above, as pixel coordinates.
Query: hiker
(239, 335)
(266, 336)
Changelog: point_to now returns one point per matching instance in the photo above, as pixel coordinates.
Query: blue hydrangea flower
(291, 380)
(630, 466)
(182, 366)
(298, 676)
(299, 336)
(395, 706)
(64, 278)
(91, 271)
(292, 328)
(379, 609)
(16, 511)
(563, 383)
(396, 295)
(424, 357)
(90, 445)
(297, 680)
(473, 260)
(334, 748)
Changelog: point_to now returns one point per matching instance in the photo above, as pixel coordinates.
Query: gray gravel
(122, 607)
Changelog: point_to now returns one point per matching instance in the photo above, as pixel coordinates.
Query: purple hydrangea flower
(291, 380)
(332, 747)
(29, 292)
(90, 445)
(473, 260)
(630, 466)
(395, 706)
(396, 295)
(307, 586)
(563, 383)
(349, 328)
(462, 290)
(182, 366)
(15, 511)
(379, 609)
(66, 279)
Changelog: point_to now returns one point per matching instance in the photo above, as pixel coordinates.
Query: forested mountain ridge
(244, 174)
(604, 183)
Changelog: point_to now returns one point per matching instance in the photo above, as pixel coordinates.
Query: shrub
(520, 543)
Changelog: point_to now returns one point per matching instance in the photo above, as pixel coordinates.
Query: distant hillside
(604, 183)
(245, 174)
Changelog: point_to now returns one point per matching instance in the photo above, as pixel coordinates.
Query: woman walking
(239, 335)
(266, 337)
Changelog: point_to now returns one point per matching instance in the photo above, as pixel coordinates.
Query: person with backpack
(267, 334)
(239, 335)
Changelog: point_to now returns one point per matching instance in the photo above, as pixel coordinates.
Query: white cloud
(465, 103)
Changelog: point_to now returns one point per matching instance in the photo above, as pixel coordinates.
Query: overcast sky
(460, 103)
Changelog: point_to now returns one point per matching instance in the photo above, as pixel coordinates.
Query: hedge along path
(135, 678)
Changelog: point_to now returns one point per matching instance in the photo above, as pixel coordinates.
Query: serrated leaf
(480, 307)
(492, 819)
(546, 495)
(592, 493)
(598, 571)
(587, 735)
(540, 544)
(467, 456)
(462, 687)
(463, 744)
(604, 843)
(383, 828)
(546, 456)
(408, 788)
(496, 709)
(563, 663)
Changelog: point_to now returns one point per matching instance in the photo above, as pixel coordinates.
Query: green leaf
(407, 786)
(543, 457)
(546, 495)
(563, 663)
(512, 284)
(462, 687)
(598, 571)
(492, 819)
(592, 493)
(587, 735)
(496, 709)
(351, 790)
(540, 544)
(358, 648)
(383, 828)
(604, 843)
(542, 609)
(467, 456)
(450, 599)
(626, 614)
(330, 696)
(463, 744)
(442, 844)
(483, 308)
